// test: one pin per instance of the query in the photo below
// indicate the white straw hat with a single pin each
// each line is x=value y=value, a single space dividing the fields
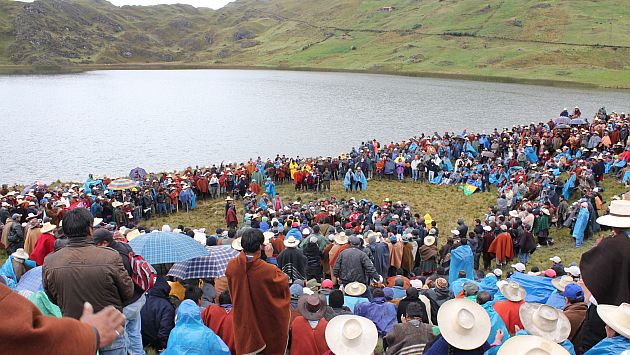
x=20 y=253
x=341 y=238
x=429 y=240
x=463 y=323
x=351 y=335
x=48 y=227
x=615 y=317
x=513 y=291
x=545 y=321
x=236 y=244
x=291 y=242
x=619 y=215
x=354 y=289
x=530 y=345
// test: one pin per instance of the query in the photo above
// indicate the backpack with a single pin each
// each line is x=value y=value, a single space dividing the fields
x=143 y=274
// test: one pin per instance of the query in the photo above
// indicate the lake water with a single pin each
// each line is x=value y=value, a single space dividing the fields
x=107 y=122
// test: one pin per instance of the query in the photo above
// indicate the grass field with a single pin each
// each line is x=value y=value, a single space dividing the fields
x=444 y=203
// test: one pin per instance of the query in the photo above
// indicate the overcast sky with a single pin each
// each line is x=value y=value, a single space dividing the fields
x=215 y=4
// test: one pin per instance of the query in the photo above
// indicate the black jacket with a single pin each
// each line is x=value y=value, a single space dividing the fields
x=157 y=316
x=402 y=308
x=124 y=250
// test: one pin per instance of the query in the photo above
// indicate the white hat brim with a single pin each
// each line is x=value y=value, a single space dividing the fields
x=614 y=221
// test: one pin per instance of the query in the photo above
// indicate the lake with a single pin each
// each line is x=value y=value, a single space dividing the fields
x=107 y=122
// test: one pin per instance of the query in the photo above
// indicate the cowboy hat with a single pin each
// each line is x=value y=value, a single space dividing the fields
x=545 y=321
x=97 y=221
x=116 y=204
x=31 y=216
x=351 y=335
x=20 y=254
x=487 y=228
x=513 y=291
x=429 y=240
x=312 y=307
x=291 y=242
x=561 y=282
x=48 y=227
x=545 y=211
x=341 y=238
x=616 y=317
x=236 y=244
x=131 y=235
x=463 y=323
x=531 y=344
x=619 y=215
x=268 y=236
x=229 y=198
x=354 y=289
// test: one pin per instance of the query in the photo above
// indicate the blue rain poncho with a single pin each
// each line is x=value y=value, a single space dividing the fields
x=580 y=226
x=568 y=187
x=489 y=284
x=270 y=189
x=190 y=336
x=614 y=345
x=538 y=288
x=530 y=153
x=359 y=176
x=496 y=323
x=461 y=259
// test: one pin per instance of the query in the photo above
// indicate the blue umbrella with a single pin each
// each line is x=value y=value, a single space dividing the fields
x=208 y=266
x=166 y=247
x=31 y=281
x=137 y=173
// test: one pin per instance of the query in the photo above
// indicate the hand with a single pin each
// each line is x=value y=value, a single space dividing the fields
x=269 y=250
x=109 y=322
x=498 y=339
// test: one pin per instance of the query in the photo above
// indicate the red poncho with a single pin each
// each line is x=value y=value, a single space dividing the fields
x=503 y=247
x=308 y=341
x=261 y=304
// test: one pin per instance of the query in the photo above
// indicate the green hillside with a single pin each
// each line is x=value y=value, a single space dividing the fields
x=580 y=41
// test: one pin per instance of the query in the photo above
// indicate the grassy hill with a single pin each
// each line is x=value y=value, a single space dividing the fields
x=579 y=41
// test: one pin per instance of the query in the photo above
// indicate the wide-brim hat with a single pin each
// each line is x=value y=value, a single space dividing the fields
x=513 y=291
x=268 y=236
x=20 y=253
x=531 y=344
x=291 y=242
x=545 y=321
x=229 y=198
x=312 y=307
x=97 y=221
x=133 y=234
x=618 y=318
x=351 y=335
x=561 y=283
x=354 y=289
x=341 y=238
x=236 y=244
x=619 y=215
x=487 y=228
x=116 y=204
x=463 y=323
x=429 y=240
x=545 y=211
x=48 y=227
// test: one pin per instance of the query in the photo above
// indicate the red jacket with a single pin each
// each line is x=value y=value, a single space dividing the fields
x=308 y=341
x=221 y=322
x=45 y=245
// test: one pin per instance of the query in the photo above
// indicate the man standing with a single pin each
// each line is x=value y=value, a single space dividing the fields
x=133 y=337
x=260 y=299
x=82 y=272
x=354 y=265
x=503 y=247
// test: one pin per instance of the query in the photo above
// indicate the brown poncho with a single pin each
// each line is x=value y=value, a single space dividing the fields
x=261 y=303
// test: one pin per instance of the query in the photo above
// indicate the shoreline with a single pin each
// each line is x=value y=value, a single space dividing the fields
x=10 y=70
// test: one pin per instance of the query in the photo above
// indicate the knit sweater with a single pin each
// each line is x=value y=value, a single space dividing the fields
x=408 y=339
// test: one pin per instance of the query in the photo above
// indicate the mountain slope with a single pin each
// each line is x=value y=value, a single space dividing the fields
x=585 y=41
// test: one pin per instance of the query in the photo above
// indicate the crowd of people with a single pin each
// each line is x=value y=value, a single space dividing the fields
x=342 y=276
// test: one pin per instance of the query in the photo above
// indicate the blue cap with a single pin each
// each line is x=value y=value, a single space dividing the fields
x=573 y=291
